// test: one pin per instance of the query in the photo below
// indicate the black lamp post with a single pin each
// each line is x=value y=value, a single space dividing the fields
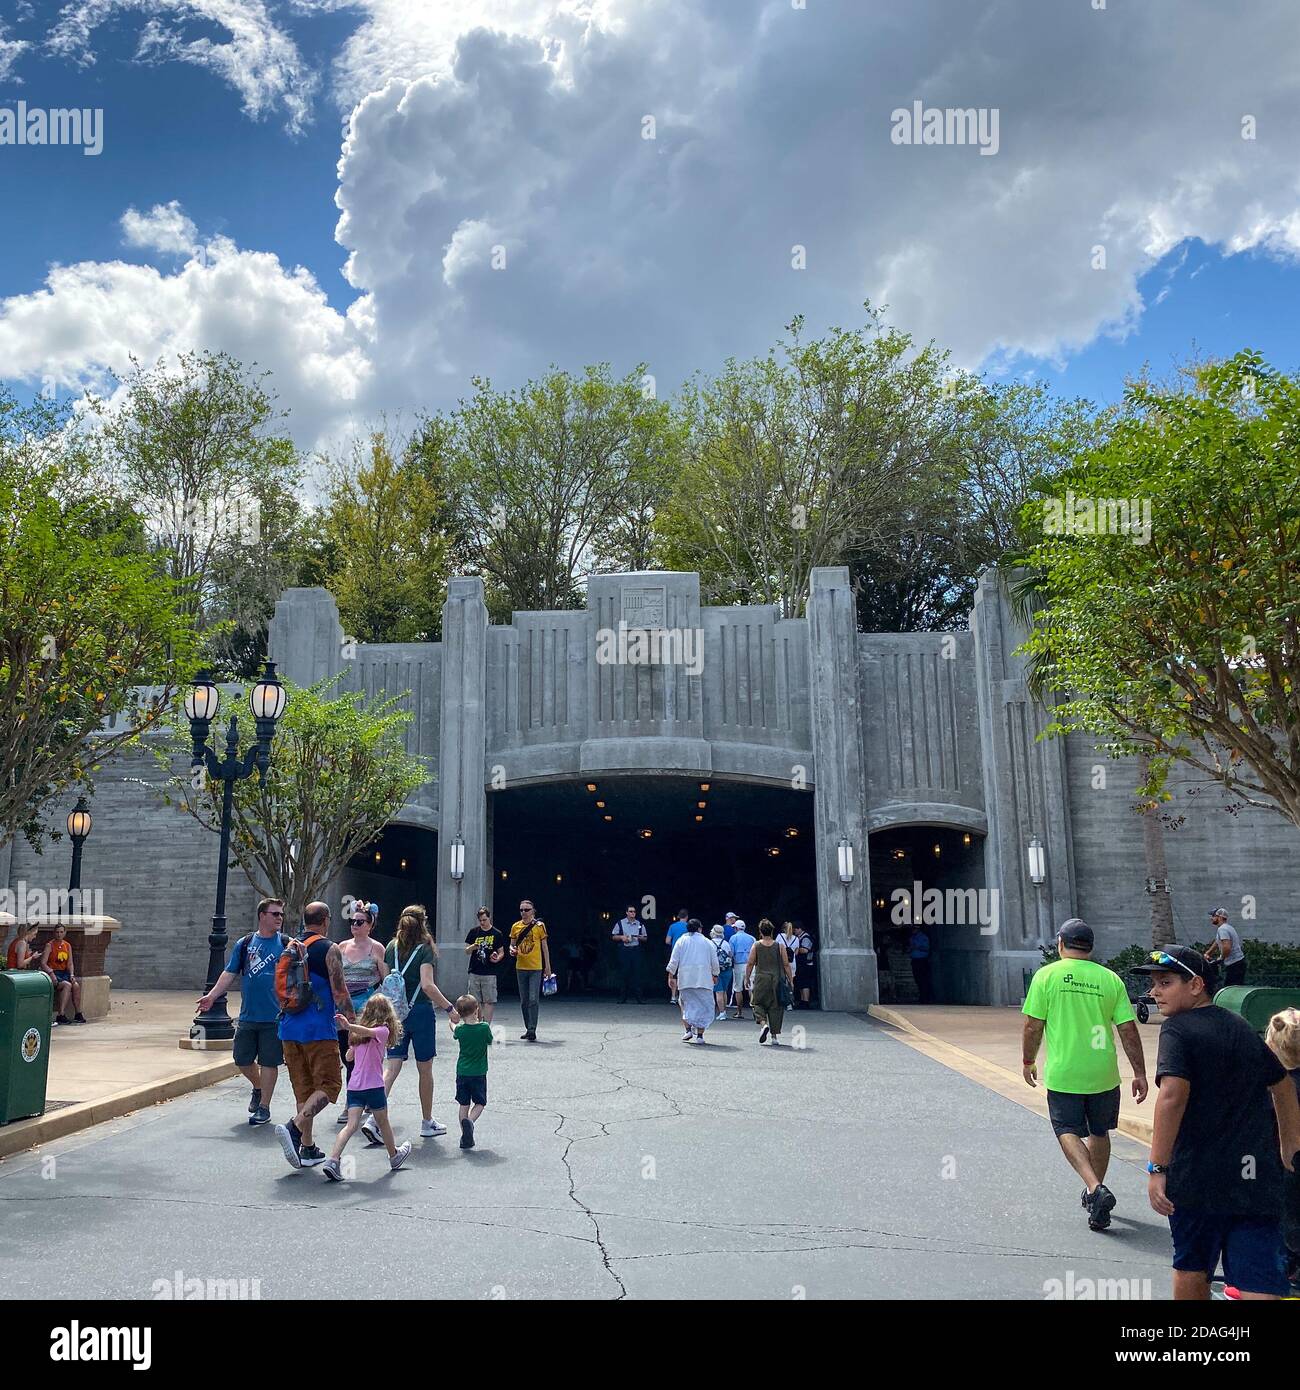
x=79 y=823
x=266 y=701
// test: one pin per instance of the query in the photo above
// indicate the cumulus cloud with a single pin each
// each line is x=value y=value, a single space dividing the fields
x=87 y=322
x=258 y=58
x=658 y=171
x=10 y=51
x=165 y=227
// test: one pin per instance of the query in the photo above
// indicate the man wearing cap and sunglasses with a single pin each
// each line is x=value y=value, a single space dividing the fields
x=1218 y=1147
x=1074 y=1002
x=1226 y=947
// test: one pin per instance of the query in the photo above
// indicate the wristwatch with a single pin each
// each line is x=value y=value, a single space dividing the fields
x=1157 y=1167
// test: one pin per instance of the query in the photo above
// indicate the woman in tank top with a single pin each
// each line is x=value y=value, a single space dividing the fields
x=363 y=969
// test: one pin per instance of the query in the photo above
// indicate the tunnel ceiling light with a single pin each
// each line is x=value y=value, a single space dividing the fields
x=377 y=856
x=504 y=874
x=900 y=854
x=791 y=833
x=608 y=818
x=938 y=850
x=699 y=817
x=700 y=805
x=704 y=786
x=559 y=878
x=591 y=786
x=773 y=852
x=965 y=839
x=403 y=863
x=645 y=834
x=600 y=805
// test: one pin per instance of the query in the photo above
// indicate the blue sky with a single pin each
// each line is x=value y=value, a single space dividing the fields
x=524 y=142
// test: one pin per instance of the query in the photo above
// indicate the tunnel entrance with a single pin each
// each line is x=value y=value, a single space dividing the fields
x=394 y=870
x=931 y=877
x=584 y=850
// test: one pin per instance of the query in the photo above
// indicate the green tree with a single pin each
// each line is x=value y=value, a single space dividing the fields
x=195 y=448
x=555 y=481
x=810 y=454
x=339 y=773
x=385 y=557
x=1182 y=642
x=86 y=620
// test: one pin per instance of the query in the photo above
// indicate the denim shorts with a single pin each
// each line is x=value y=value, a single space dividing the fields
x=1250 y=1248
x=419 y=1029
x=471 y=1090
x=373 y=1098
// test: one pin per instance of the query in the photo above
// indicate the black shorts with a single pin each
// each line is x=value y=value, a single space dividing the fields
x=257 y=1042
x=471 y=1090
x=1083 y=1115
x=1234 y=974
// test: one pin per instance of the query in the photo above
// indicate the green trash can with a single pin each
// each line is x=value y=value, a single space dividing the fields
x=1257 y=1003
x=26 y=1007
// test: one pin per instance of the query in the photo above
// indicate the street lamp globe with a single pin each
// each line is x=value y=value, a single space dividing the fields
x=268 y=697
x=79 y=820
x=202 y=701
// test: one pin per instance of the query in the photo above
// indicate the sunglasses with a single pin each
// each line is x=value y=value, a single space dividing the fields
x=275 y=914
x=1165 y=959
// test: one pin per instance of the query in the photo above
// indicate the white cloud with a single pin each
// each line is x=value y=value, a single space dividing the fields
x=10 y=51
x=258 y=59
x=90 y=319
x=771 y=130
x=165 y=227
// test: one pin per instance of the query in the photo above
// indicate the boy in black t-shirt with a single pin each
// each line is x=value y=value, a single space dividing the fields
x=1217 y=1161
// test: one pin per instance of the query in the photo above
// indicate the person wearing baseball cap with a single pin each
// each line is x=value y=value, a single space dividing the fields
x=1073 y=1003
x=1226 y=947
x=1218 y=1148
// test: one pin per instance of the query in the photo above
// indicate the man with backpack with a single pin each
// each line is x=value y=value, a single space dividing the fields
x=310 y=989
x=258 y=1052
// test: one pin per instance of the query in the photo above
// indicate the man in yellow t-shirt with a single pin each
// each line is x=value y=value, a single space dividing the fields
x=532 y=963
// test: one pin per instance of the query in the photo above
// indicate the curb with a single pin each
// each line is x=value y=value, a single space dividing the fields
x=58 y=1124
x=997 y=1078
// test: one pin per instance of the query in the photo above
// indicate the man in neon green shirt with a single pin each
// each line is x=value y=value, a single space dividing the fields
x=1075 y=1001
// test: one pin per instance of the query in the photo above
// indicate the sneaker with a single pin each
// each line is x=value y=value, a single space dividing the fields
x=762 y=1037
x=700 y=1039
x=776 y=1042
x=688 y=1037
x=530 y=1036
x=290 y=1138
x=722 y=1017
x=400 y=1157
x=310 y=1156
x=332 y=1170
x=260 y=1116
x=371 y=1132
x=467 y=1134
x=254 y=1101
x=80 y=1018
x=1100 y=1207
x=342 y=1119
x=431 y=1129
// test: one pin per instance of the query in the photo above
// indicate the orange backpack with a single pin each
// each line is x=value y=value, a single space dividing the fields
x=293 y=989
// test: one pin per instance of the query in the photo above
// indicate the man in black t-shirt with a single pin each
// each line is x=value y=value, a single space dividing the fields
x=486 y=947
x=1216 y=1156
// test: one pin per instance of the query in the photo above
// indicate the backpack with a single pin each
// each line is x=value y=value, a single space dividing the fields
x=724 y=957
x=293 y=991
x=393 y=985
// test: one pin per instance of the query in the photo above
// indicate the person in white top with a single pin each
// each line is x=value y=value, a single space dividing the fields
x=693 y=965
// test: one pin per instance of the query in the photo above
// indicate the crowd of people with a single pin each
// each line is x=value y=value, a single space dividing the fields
x=344 y=1017
x=1226 y=1129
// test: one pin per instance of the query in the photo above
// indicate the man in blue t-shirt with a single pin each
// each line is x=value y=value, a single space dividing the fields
x=310 y=1038
x=257 y=1050
x=741 y=943
x=678 y=929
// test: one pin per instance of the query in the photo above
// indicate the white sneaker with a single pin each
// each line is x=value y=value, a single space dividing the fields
x=400 y=1157
x=431 y=1129
x=722 y=1017
x=371 y=1130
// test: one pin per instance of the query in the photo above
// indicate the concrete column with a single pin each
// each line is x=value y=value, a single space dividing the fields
x=462 y=752
x=847 y=959
x=1026 y=795
x=305 y=637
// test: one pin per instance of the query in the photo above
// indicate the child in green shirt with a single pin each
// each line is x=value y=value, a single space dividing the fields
x=474 y=1039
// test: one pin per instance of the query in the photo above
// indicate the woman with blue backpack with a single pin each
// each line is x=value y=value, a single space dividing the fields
x=409 y=984
x=722 y=990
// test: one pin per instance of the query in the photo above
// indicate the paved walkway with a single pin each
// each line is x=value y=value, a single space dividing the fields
x=613 y=1162
x=983 y=1043
x=130 y=1059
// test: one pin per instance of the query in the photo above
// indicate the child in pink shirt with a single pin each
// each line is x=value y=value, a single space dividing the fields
x=369 y=1038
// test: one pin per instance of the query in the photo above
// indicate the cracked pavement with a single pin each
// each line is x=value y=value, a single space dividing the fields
x=612 y=1162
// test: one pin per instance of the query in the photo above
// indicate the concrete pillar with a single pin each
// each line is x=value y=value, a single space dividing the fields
x=305 y=637
x=1026 y=795
x=462 y=753
x=845 y=954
